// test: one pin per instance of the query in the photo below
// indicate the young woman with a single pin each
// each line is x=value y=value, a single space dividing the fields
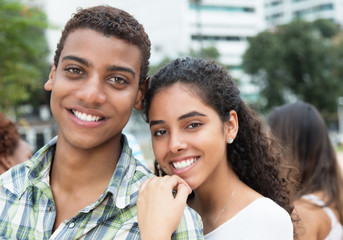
x=319 y=204
x=206 y=137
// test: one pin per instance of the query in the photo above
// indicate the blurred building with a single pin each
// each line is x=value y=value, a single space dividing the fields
x=36 y=126
x=225 y=24
x=283 y=11
x=175 y=27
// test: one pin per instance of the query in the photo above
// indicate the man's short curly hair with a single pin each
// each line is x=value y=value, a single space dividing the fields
x=111 y=22
x=9 y=136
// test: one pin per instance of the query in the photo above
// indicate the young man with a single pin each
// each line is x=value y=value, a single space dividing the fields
x=84 y=183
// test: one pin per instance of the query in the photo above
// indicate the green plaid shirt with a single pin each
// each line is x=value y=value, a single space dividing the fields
x=27 y=209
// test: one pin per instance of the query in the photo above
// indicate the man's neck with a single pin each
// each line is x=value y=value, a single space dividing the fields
x=78 y=177
x=75 y=168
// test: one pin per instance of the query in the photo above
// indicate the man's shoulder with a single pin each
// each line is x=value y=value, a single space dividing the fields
x=13 y=180
x=190 y=227
x=141 y=174
x=142 y=171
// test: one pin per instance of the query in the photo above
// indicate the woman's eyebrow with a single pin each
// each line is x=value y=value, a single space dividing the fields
x=191 y=114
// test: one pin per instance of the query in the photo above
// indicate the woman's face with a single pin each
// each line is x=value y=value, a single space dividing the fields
x=21 y=154
x=188 y=136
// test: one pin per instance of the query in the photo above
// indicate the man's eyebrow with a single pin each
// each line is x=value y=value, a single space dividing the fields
x=123 y=69
x=187 y=115
x=77 y=59
x=191 y=114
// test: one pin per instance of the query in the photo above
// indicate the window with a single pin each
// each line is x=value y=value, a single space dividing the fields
x=218 y=38
x=273 y=4
x=203 y=7
x=318 y=8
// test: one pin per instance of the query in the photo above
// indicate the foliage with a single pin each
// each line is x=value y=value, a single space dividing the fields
x=154 y=68
x=300 y=60
x=24 y=50
x=210 y=52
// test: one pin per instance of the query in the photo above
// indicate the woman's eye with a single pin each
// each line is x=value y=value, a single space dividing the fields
x=160 y=132
x=194 y=125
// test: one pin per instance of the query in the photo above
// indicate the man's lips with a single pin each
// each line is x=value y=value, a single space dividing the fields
x=86 y=117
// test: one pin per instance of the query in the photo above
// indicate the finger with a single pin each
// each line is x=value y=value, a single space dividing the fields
x=156 y=182
x=182 y=193
x=179 y=181
x=145 y=183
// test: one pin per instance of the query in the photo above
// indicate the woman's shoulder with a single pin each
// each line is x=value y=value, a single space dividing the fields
x=263 y=213
x=260 y=209
x=270 y=219
x=313 y=219
x=311 y=210
x=262 y=219
x=269 y=209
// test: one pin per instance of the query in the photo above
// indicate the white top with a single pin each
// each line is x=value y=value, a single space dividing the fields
x=262 y=219
x=336 y=231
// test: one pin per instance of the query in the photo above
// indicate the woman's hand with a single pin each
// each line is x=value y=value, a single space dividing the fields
x=158 y=211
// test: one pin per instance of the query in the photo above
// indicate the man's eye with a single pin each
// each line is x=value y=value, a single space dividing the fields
x=74 y=71
x=118 y=80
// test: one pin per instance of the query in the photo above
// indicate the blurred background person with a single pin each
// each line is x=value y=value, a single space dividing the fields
x=13 y=149
x=319 y=205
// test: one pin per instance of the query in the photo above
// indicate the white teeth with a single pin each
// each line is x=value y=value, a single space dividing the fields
x=183 y=164
x=86 y=117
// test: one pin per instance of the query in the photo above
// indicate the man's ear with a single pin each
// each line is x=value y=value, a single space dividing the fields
x=49 y=83
x=231 y=126
x=141 y=94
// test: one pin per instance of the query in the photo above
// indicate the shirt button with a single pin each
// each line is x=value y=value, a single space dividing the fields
x=49 y=209
x=71 y=225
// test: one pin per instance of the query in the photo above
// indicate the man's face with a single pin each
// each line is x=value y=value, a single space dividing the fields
x=94 y=88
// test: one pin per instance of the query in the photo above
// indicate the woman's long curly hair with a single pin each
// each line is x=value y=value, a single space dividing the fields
x=252 y=156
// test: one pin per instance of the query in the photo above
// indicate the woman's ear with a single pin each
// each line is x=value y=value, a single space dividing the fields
x=231 y=127
x=5 y=162
x=141 y=94
x=49 y=83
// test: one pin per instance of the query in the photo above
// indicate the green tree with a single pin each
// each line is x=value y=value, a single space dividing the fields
x=210 y=52
x=154 y=68
x=24 y=51
x=300 y=60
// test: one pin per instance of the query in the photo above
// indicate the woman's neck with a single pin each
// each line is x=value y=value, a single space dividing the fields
x=213 y=195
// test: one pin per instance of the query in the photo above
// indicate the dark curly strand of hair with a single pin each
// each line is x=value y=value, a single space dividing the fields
x=9 y=136
x=251 y=155
x=111 y=22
